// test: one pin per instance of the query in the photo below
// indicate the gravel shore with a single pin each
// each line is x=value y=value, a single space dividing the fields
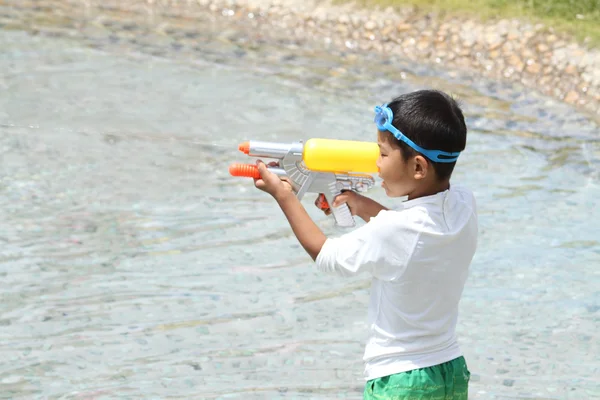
x=510 y=50
x=507 y=49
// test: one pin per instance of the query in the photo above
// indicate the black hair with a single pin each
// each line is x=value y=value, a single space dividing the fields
x=433 y=120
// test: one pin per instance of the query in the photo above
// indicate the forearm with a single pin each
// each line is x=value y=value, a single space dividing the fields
x=369 y=209
x=307 y=232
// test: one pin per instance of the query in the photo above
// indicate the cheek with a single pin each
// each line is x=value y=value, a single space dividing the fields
x=392 y=172
x=384 y=167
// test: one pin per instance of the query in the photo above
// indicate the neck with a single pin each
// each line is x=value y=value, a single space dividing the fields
x=430 y=189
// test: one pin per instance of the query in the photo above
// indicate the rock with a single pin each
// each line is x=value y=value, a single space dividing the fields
x=444 y=28
x=338 y=71
x=409 y=42
x=365 y=46
x=542 y=47
x=582 y=87
x=572 y=97
x=368 y=35
x=560 y=58
x=516 y=62
x=494 y=40
x=545 y=80
x=465 y=52
x=527 y=53
x=533 y=68
x=441 y=45
x=344 y=19
x=495 y=46
x=341 y=28
x=513 y=36
x=571 y=69
x=508 y=47
x=387 y=30
x=370 y=25
x=587 y=77
x=468 y=36
x=422 y=44
x=403 y=27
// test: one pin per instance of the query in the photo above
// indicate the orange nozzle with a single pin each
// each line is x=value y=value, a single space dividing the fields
x=244 y=170
x=244 y=147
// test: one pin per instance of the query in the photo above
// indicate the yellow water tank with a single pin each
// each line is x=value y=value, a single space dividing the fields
x=332 y=155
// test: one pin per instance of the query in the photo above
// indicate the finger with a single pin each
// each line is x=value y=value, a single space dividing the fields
x=321 y=202
x=259 y=183
x=262 y=168
x=340 y=199
x=269 y=178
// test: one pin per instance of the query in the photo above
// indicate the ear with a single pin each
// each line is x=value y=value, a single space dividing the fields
x=421 y=167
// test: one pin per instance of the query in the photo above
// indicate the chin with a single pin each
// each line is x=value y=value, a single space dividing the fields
x=396 y=195
x=392 y=193
x=395 y=192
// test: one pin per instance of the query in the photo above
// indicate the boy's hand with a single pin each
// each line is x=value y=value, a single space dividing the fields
x=271 y=183
x=349 y=197
x=358 y=204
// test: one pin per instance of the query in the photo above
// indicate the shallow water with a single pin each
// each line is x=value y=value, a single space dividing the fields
x=134 y=266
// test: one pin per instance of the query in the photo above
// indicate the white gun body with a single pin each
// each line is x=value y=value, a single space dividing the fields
x=304 y=180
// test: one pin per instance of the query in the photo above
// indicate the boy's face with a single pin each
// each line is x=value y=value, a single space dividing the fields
x=397 y=173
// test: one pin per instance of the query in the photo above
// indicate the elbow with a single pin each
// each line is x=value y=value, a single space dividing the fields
x=314 y=250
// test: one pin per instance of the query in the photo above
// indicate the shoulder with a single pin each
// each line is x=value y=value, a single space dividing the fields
x=460 y=208
x=462 y=192
x=460 y=197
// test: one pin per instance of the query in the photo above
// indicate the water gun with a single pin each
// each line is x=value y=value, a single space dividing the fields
x=324 y=166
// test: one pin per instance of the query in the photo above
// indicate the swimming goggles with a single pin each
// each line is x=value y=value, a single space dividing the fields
x=383 y=120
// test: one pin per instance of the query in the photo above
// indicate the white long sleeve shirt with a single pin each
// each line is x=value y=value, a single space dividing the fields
x=419 y=258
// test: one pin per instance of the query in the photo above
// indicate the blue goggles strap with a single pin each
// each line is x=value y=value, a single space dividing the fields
x=383 y=120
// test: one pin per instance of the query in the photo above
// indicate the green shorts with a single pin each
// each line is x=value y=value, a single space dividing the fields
x=447 y=381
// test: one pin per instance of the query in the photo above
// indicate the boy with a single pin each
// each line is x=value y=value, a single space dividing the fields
x=418 y=256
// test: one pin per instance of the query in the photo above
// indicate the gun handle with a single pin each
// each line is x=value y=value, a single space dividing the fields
x=342 y=215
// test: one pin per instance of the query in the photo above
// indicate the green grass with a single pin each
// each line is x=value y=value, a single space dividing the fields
x=577 y=18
